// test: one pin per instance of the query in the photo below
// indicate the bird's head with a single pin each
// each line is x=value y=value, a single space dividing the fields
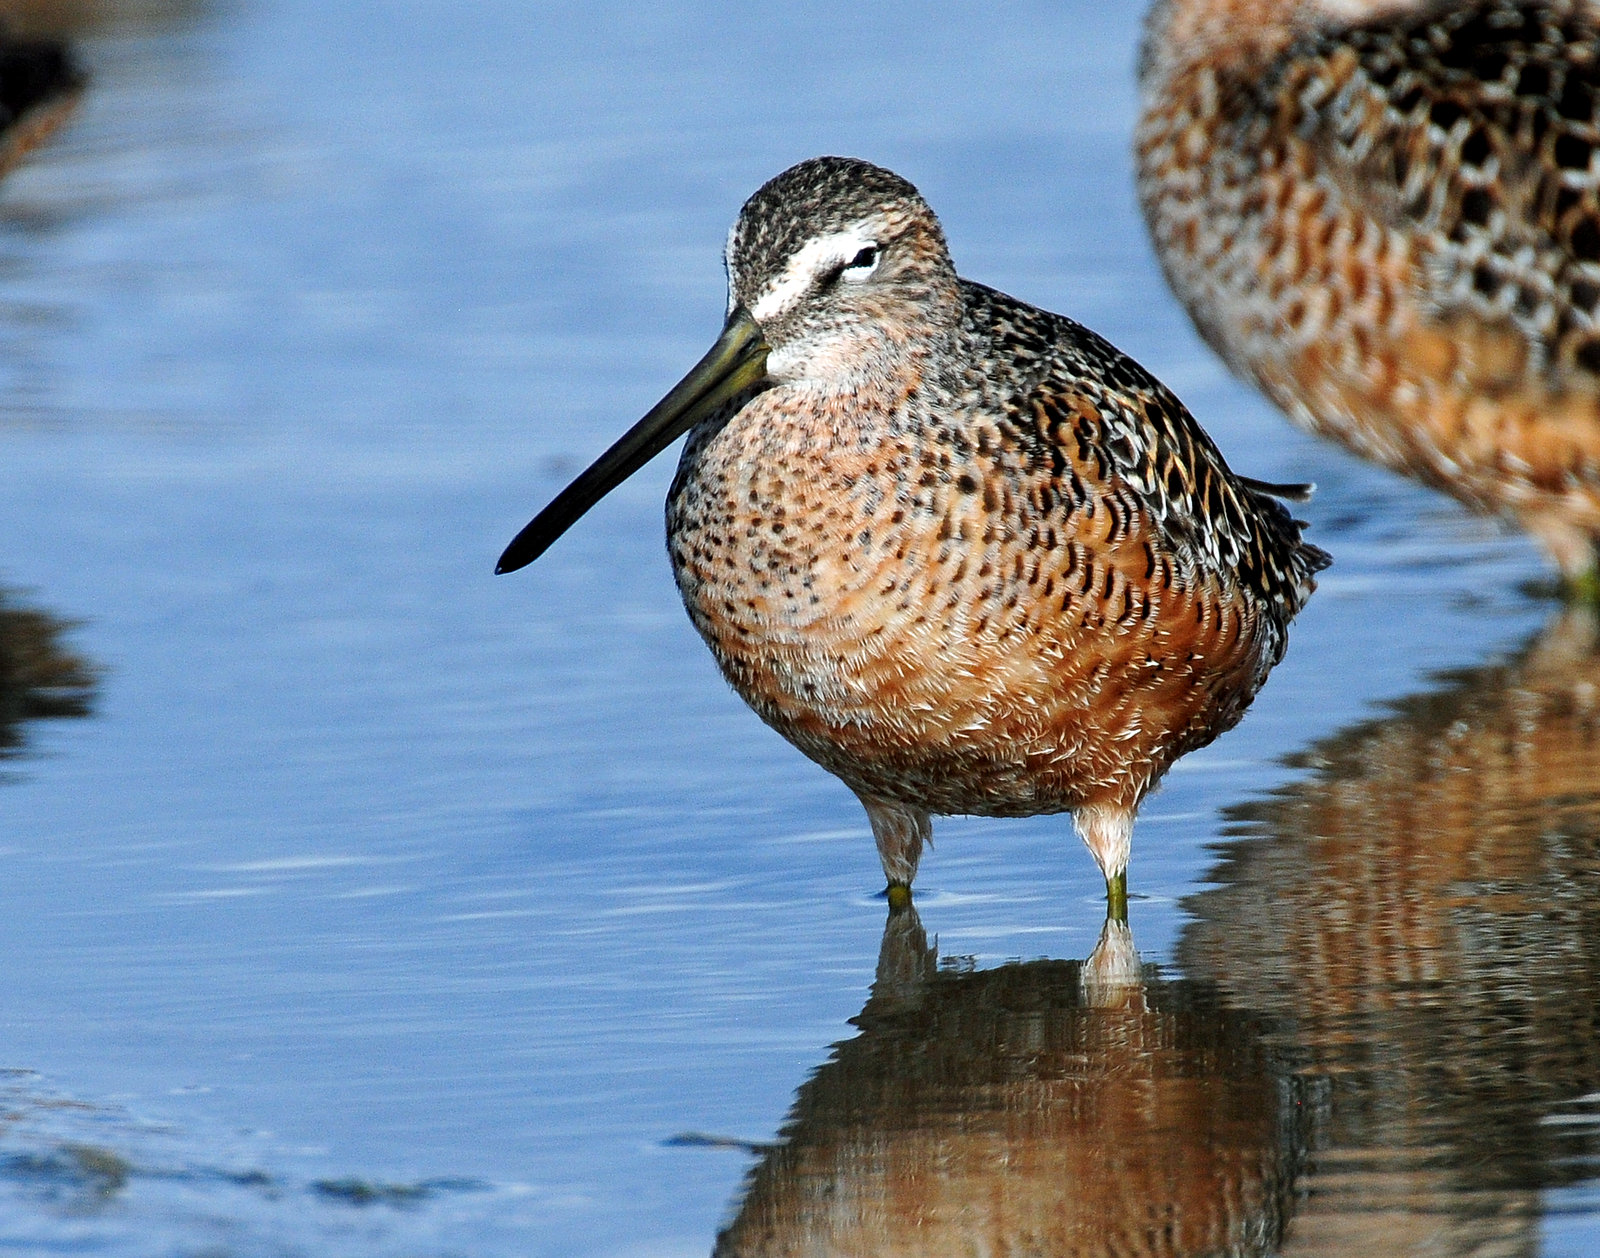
x=839 y=280
x=842 y=265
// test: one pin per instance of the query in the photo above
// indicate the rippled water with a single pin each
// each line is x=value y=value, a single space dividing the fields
x=381 y=906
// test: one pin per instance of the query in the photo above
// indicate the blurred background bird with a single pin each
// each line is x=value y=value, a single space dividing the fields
x=1386 y=213
x=41 y=676
x=40 y=84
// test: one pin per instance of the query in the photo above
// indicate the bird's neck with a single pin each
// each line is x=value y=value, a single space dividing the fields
x=853 y=395
x=854 y=409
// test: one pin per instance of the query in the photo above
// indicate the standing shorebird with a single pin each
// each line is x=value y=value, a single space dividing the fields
x=959 y=551
x=1386 y=213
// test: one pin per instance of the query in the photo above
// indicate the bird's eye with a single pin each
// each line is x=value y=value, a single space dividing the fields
x=857 y=269
x=862 y=265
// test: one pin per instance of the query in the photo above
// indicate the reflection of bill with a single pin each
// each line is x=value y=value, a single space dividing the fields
x=39 y=676
x=1052 y=1107
x=1422 y=912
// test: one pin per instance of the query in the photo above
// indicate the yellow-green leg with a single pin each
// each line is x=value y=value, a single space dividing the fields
x=1117 y=897
x=899 y=894
x=1582 y=587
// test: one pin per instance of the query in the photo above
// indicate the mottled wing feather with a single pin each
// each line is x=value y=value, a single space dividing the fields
x=1475 y=131
x=1300 y=491
x=1144 y=564
x=1086 y=399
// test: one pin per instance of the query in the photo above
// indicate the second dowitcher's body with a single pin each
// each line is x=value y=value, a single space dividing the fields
x=960 y=551
x=1387 y=214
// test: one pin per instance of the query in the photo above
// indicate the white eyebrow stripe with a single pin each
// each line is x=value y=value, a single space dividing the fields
x=727 y=263
x=1366 y=10
x=814 y=257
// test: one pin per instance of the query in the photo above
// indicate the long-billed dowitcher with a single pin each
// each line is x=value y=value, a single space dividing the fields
x=1386 y=213
x=959 y=551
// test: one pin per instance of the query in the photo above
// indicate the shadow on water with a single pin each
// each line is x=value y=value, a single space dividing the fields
x=1420 y=913
x=40 y=676
x=1061 y=1107
x=120 y=1180
x=140 y=132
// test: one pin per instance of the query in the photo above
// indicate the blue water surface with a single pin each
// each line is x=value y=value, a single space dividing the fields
x=384 y=906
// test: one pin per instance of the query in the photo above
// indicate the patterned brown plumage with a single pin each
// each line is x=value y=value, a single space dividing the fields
x=961 y=552
x=1386 y=213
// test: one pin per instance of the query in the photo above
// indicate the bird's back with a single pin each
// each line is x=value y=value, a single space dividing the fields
x=1075 y=401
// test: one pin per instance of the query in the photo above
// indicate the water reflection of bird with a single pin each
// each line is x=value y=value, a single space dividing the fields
x=1421 y=911
x=960 y=551
x=1386 y=213
x=39 y=676
x=39 y=88
x=1052 y=1107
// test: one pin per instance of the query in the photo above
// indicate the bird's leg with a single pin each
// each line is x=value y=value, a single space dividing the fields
x=1112 y=976
x=1577 y=555
x=1580 y=572
x=1583 y=587
x=900 y=831
x=1117 y=898
x=1107 y=831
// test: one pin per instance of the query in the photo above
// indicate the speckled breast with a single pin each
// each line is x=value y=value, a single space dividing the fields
x=898 y=606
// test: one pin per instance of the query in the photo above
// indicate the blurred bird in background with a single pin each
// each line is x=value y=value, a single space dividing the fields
x=1386 y=214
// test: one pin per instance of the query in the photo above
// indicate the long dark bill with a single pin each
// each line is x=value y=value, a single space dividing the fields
x=737 y=361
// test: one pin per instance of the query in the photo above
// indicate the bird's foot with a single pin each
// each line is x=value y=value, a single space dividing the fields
x=899 y=896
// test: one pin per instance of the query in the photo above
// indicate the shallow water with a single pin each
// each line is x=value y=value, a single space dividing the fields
x=381 y=906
